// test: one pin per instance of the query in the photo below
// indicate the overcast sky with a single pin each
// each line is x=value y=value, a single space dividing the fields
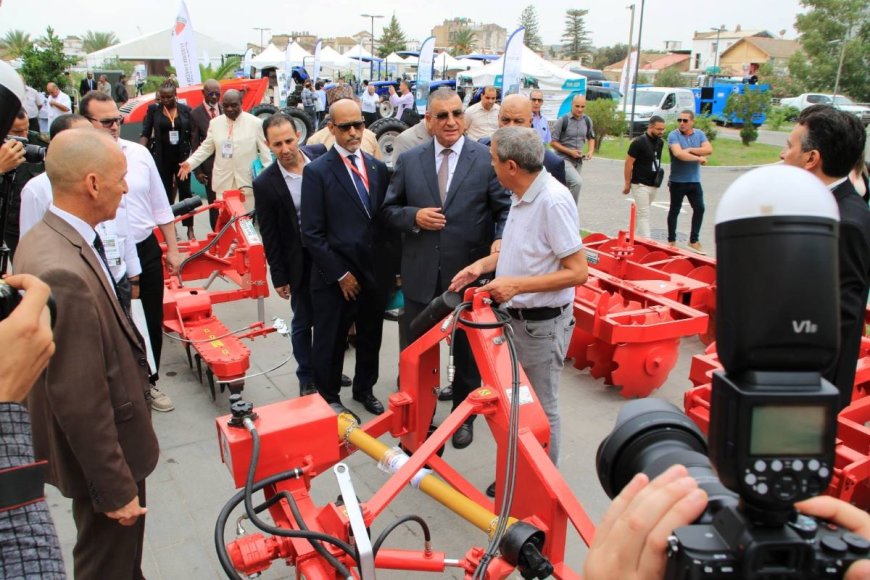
x=607 y=21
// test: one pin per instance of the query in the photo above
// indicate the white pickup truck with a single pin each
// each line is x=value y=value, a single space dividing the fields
x=841 y=102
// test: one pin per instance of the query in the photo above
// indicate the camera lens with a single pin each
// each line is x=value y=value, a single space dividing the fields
x=651 y=435
x=34 y=153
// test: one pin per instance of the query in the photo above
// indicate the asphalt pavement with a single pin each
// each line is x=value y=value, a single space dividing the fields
x=190 y=484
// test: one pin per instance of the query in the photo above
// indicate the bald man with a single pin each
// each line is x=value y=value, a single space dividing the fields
x=90 y=409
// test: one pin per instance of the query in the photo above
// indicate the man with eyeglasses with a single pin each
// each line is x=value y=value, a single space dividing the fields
x=539 y=121
x=200 y=117
x=342 y=192
x=445 y=198
x=689 y=151
x=147 y=208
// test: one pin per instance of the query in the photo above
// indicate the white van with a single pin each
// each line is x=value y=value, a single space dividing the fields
x=666 y=102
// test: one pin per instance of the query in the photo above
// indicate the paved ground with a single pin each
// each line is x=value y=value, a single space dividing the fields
x=190 y=484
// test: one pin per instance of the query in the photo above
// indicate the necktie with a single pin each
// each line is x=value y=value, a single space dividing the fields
x=101 y=251
x=360 y=186
x=444 y=174
x=211 y=112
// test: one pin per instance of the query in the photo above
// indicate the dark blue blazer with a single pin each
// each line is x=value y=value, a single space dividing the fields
x=340 y=233
x=554 y=164
x=279 y=223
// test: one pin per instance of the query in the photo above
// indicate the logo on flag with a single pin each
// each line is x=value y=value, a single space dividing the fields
x=180 y=23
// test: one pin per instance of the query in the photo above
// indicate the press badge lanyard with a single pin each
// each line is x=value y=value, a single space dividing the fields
x=364 y=174
x=173 y=134
x=227 y=145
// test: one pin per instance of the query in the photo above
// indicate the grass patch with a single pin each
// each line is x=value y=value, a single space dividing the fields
x=784 y=128
x=725 y=152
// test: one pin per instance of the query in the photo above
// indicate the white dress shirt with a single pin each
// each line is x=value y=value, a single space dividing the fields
x=88 y=235
x=456 y=149
x=62 y=99
x=33 y=101
x=147 y=204
x=294 y=184
x=369 y=102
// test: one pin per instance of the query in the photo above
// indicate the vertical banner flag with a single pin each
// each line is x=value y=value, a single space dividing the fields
x=360 y=61
x=315 y=73
x=628 y=67
x=246 y=63
x=424 y=73
x=513 y=60
x=184 y=49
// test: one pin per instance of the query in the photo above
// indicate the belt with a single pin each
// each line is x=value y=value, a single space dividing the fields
x=536 y=314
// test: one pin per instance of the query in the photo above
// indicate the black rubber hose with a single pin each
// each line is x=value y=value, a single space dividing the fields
x=389 y=529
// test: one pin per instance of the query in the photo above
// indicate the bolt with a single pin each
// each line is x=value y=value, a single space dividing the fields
x=498 y=340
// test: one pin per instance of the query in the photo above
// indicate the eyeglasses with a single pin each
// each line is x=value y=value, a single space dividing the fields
x=443 y=115
x=213 y=93
x=107 y=123
x=683 y=120
x=358 y=125
x=537 y=100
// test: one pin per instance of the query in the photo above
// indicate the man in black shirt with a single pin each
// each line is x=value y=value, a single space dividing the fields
x=642 y=170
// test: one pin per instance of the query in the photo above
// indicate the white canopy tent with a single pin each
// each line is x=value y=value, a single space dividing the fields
x=297 y=54
x=445 y=62
x=157 y=46
x=358 y=52
x=332 y=62
x=272 y=56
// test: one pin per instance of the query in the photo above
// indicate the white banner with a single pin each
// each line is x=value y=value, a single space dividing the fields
x=315 y=70
x=513 y=60
x=184 y=49
x=360 y=61
x=424 y=72
x=628 y=67
x=246 y=63
x=206 y=61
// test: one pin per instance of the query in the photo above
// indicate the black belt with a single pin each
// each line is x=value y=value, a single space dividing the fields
x=537 y=314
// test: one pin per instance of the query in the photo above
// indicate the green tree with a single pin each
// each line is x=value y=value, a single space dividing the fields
x=393 y=39
x=824 y=27
x=607 y=55
x=224 y=71
x=94 y=41
x=607 y=119
x=669 y=77
x=781 y=85
x=575 y=39
x=463 y=40
x=532 y=36
x=14 y=43
x=743 y=107
x=45 y=63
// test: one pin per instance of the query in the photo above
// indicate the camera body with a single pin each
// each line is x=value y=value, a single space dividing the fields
x=32 y=153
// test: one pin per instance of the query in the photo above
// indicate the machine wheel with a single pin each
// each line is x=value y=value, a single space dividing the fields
x=386 y=130
x=263 y=110
x=303 y=121
x=386 y=109
x=640 y=368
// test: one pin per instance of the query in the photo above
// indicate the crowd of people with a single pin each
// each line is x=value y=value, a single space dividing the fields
x=491 y=191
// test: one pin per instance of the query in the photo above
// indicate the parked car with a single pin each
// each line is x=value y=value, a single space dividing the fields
x=841 y=102
x=665 y=102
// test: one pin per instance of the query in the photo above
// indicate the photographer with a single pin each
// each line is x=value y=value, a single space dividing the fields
x=23 y=174
x=632 y=539
x=28 y=541
x=11 y=156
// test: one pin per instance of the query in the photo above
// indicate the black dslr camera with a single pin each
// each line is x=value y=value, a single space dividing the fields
x=773 y=417
x=32 y=153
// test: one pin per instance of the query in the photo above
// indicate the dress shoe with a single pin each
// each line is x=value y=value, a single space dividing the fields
x=445 y=393
x=463 y=436
x=371 y=404
x=339 y=409
x=490 y=491
x=307 y=388
x=345 y=381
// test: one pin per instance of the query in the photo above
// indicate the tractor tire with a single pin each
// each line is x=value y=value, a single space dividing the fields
x=386 y=109
x=386 y=130
x=305 y=125
x=263 y=110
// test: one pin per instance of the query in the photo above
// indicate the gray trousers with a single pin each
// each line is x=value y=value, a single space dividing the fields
x=572 y=176
x=541 y=347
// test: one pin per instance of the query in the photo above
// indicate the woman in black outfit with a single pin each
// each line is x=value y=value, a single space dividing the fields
x=166 y=131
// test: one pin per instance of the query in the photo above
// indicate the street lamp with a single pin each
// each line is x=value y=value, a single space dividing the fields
x=636 y=67
x=718 y=30
x=842 y=54
x=372 y=62
x=261 y=34
x=628 y=61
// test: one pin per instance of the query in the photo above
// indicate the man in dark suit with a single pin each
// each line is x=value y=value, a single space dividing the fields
x=516 y=110
x=445 y=197
x=342 y=192
x=88 y=84
x=90 y=409
x=200 y=117
x=828 y=143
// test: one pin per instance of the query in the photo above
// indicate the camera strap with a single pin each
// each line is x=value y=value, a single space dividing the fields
x=22 y=485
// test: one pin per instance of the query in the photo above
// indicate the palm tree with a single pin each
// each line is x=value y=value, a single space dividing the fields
x=224 y=71
x=14 y=43
x=463 y=41
x=94 y=41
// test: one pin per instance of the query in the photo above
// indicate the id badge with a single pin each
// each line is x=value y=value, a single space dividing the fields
x=173 y=137
x=227 y=149
x=113 y=251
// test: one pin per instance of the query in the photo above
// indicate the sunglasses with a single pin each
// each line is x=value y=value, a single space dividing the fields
x=537 y=100
x=213 y=93
x=358 y=125
x=107 y=123
x=683 y=120
x=442 y=116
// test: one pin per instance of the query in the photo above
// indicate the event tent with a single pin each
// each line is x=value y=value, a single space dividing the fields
x=272 y=56
x=548 y=75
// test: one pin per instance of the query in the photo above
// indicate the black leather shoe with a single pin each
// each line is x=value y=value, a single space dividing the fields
x=307 y=389
x=339 y=409
x=463 y=436
x=345 y=381
x=371 y=404
x=446 y=393
x=490 y=491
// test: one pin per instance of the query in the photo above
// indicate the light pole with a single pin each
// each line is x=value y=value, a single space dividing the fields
x=718 y=30
x=372 y=62
x=636 y=71
x=261 y=34
x=628 y=61
x=840 y=64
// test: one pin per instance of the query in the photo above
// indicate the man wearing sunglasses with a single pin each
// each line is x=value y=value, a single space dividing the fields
x=445 y=197
x=200 y=118
x=342 y=192
x=689 y=151
x=539 y=121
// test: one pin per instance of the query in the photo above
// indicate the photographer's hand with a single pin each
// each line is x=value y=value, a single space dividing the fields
x=844 y=515
x=11 y=155
x=27 y=339
x=631 y=542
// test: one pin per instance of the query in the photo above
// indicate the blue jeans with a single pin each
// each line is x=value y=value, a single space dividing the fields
x=695 y=194
x=300 y=331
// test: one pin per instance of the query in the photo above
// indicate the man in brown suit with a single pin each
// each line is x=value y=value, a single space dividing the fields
x=91 y=417
x=200 y=117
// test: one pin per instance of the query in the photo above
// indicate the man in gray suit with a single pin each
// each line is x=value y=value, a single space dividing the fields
x=445 y=197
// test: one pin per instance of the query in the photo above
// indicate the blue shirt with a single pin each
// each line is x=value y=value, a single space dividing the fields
x=542 y=126
x=685 y=171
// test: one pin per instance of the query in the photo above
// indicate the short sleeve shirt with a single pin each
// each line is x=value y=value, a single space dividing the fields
x=647 y=155
x=685 y=171
x=575 y=134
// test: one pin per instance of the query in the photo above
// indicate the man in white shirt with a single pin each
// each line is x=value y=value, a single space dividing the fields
x=369 y=101
x=481 y=119
x=58 y=102
x=32 y=103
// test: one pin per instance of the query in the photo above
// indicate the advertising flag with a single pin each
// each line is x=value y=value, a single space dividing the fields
x=513 y=60
x=246 y=63
x=424 y=72
x=184 y=49
x=628 y=67
x=315 y=72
